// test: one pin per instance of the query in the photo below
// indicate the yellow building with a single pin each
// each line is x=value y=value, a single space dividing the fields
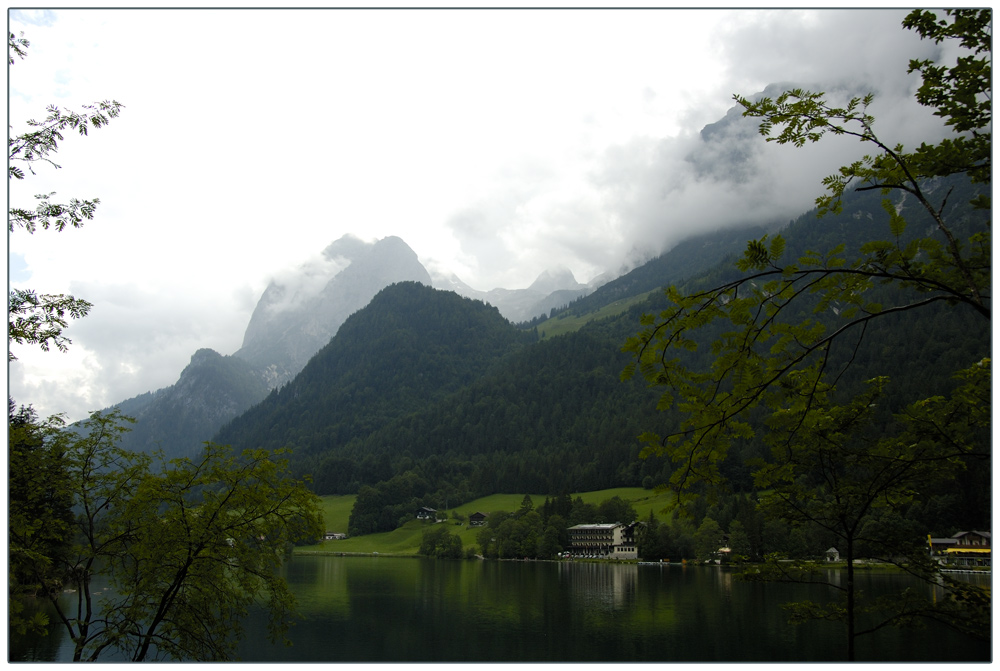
x=966 y=548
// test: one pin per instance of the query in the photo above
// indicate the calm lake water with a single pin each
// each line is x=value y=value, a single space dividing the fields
x=381 y=609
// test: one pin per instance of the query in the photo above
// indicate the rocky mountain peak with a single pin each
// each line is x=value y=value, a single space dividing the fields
x=555 y=279
x=299 y=312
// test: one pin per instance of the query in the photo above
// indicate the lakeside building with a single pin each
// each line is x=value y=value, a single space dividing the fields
x=966 y=548
x=608 y=541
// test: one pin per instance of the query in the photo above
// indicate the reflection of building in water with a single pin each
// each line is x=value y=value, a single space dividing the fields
x=606 y=541
x=607 y=586
x=725 y=579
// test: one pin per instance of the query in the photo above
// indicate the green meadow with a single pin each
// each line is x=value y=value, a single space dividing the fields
x=406 y=539
x=568 y=323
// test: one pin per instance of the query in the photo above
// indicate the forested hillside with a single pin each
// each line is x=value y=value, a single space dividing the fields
x=411 y=346
x=554 y=416
x=689 y=258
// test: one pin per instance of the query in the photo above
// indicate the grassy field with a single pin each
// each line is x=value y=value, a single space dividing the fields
x=561 y=325
x=406 y=539
x=336 y=511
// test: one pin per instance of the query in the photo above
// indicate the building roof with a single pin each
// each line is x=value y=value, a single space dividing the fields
x=596 y=527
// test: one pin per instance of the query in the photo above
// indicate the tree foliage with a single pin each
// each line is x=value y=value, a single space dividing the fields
x=17 y=45
x=38 y=146
x=785 y=334
x=524 y=534
x=439 y=542
x=39 y=513
x=35 y=319
x=168 y=556
x=833 y=469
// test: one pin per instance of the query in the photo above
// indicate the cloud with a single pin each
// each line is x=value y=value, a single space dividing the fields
x=291 y=287
x=637 y=198
x=136 y=339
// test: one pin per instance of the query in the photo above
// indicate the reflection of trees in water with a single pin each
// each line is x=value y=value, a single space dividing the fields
x=35 y=648
x=56 y=645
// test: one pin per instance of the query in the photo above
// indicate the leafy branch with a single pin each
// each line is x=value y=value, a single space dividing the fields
x=40 y=144
x=40 y=319
x=17 y=46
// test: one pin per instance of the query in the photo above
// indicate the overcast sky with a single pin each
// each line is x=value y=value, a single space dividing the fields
x=497 y=144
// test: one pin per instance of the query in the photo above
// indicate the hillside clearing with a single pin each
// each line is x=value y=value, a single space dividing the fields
x=564 y=322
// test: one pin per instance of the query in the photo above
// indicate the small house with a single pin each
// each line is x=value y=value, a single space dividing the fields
x=833 y=554
x=426 y=514
x=477 y=519
x=334 y=536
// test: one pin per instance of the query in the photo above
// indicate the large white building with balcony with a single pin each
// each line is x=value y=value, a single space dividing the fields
x=608 y=541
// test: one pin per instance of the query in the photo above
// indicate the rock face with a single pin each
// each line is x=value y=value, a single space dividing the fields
x=211 y=390
x=558 y=279
x=295 y=317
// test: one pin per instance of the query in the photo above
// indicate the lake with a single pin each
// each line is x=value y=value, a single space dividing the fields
x=382 y=609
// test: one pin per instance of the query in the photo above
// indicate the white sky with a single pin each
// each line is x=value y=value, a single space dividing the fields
x=495 y=143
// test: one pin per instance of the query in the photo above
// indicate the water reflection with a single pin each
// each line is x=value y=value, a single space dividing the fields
x=417 y=610
x=603 y=586
x=396 y=610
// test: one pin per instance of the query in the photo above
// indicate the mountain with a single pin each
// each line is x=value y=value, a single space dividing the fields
x=553 y=288
x=553 y=416
x=293 y=319
x=296 y=316
x=211 y=390
x=686 y=259
x=410 y=345
x=299 y=313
